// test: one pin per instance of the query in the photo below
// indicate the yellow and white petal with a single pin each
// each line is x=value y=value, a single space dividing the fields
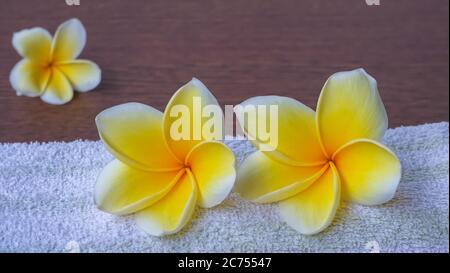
x=34 y=44
x=212 y=164
x=121 y=189
x=173 y=211
x=58 y=91
x=84 y=75
x=191 y=98
x=297 y=143
x=29 y=78
x=313 y=209
x=133 y=133
x=369 y=171
x=264 y=180
x=349 y=108
x=69 y=41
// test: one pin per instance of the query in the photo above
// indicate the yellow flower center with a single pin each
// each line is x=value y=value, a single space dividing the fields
x=49 y=64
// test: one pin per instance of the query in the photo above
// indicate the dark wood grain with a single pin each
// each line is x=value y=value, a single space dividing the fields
x=147 y=49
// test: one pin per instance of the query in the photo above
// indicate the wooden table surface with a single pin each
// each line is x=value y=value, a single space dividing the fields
x=239 y=49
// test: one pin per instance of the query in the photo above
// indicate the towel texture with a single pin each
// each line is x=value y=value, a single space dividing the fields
x=46 y=205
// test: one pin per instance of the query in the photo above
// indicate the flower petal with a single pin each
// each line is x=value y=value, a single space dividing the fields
x=264 y=180
x=59 y=90
x=29 y=78
x=84 y=75
x=69 y=40
x=212 y=164
x=133 y=133
x=369 y=171
x=313 y=209
x=298 y=142
x=34 y=44
x=349 y=108
x=173 y=211
x=184 y=97
x=121 y=189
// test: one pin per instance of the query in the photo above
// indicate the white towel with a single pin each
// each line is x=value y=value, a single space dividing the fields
x=46 y=205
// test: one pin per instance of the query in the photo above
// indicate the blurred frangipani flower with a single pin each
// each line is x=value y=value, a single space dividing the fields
x=323 y=155
x=49 y=67
x=158 y=175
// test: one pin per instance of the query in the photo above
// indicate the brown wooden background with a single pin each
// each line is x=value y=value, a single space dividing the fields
x=147 y=49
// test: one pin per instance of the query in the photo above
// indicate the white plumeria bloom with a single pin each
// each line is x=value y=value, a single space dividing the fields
x=49 y=67
x=323 y=156
x=159 y=179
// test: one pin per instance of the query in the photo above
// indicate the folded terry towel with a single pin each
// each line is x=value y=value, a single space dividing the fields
x=46 y=205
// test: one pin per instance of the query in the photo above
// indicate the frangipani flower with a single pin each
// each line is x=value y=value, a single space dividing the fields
x=50 y=68
x=321 y=156
x=159 y=178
